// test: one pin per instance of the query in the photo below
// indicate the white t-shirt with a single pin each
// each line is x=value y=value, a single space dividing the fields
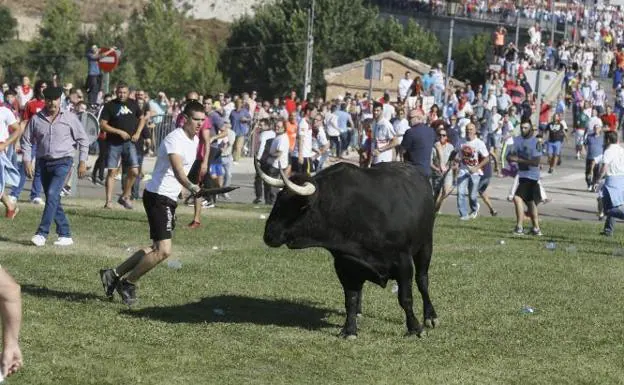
x=163 y=180
x=383 y=133
x=305 y=132
x=264 y=136
x=388 y=111
x=470 y=152
x=280 y=144
x=614 y=158
x=331 y=122
x=6 y=119
x=404 y=86
x=321 y=138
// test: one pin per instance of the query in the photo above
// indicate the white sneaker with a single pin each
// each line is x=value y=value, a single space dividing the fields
x=64 y=241
x=37 y=201
x=38 y=240
x=475 y=213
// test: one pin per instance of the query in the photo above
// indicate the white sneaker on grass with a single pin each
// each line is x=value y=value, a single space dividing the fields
x=37 y=201
x=64 y=241
x=38 y=240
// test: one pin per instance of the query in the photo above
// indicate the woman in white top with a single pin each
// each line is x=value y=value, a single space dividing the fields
x=613 y=190
x=441 y=175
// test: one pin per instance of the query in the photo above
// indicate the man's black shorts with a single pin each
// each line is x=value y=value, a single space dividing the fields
x=529 y=190
x=160 y=215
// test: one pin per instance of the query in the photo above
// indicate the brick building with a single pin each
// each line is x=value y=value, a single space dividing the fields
x=351 y=77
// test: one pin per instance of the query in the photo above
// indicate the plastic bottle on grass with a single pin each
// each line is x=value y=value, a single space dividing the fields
x=174 y=264
x=571 y=249
x=527 y=309
x=550 y=245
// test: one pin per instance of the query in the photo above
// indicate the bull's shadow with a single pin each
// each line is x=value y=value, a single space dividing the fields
x=240 y=309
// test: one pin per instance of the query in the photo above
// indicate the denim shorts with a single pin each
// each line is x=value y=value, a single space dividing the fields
x=553 y=148
x=127 y=151
x=216 y=169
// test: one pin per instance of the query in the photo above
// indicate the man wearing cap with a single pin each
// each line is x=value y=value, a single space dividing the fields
x=56 y=133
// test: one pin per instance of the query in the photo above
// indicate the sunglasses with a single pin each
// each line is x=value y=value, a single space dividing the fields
x=441 y=135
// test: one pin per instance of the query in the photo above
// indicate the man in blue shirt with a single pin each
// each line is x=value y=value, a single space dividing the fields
x=239 y=119
x=94 y=75
x=594 y=144
x=527 y=152
x=345 y=126
x=418 y=142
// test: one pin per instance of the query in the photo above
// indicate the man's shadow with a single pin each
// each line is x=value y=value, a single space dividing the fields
x=240 y=309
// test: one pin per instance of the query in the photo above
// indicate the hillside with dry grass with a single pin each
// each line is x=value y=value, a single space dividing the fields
x=90 y=10
x=29 y=12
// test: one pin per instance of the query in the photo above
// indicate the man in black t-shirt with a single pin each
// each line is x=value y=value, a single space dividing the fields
x=556 y=130
x=123 y=122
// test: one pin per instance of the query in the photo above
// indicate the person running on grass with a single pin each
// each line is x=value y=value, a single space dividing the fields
x=527 y=152
x=175 y=158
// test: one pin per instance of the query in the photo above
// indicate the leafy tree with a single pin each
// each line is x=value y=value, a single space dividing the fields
x=470 y=58
x=57 y=47
x=164 y=56
x=109 y=31
x=13 y=61
x=8 y=24
x=267 y=51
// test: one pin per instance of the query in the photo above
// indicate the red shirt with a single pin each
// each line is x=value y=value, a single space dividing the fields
x=290 y=105
x=201 y=149
x=32 y=108
x=609 y=120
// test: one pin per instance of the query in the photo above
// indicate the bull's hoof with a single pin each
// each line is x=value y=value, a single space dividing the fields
x=417 y=333
x=431 y=322
x=347 y=335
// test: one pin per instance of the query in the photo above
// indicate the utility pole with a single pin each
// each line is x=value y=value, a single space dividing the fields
x=553 y=21
x=309 y=53
x=517 y=28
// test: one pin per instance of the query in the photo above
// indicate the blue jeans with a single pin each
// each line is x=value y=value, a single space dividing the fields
x=615 y=212
x=227 y=169
x=467 y=189
x=53 y=174
x=35 y=189
x=604 y=71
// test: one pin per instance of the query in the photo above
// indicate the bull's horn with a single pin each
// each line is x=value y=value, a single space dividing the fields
x=275 y=182
x=307 y=188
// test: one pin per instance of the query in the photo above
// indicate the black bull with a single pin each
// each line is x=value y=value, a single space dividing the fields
x=377 y=223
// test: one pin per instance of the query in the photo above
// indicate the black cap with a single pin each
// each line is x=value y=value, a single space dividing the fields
x=52 y=93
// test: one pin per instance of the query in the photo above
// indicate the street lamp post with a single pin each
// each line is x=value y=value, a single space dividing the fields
x=451 y=10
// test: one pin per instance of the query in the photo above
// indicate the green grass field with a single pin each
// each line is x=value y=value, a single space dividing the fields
x=245 y=313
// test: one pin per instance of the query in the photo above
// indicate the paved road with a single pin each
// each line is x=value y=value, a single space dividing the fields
x=566 y=188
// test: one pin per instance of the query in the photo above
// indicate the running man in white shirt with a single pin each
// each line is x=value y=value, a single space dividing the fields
x=175 y=158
